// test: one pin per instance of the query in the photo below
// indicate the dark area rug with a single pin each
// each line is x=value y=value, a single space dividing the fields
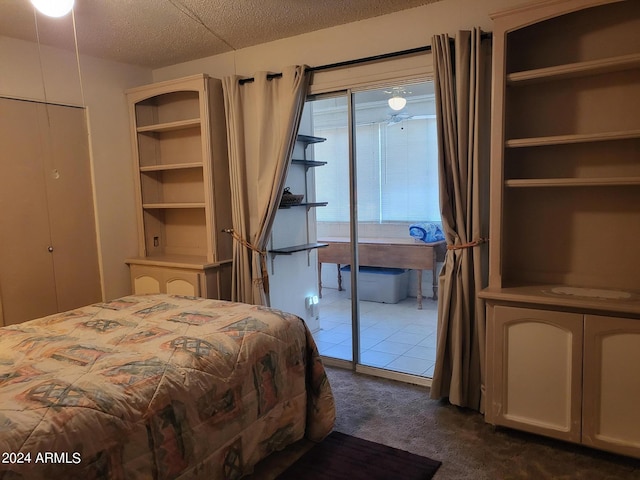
x=341 y=456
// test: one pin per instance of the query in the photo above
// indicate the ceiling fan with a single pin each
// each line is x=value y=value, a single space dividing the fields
x=399 y=117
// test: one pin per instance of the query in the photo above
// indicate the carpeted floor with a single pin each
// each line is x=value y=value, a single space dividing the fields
x=403 y=416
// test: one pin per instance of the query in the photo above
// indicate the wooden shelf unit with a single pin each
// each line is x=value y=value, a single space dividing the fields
x=567 y=93
x=183 y=192
x=565 y=190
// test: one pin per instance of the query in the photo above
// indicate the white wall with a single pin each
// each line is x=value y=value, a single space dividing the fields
x=294 y=277
x=388 y=33
x=104 y=83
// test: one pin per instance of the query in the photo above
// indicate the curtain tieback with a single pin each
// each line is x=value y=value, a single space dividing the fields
x=236 y=236
x=474 y=243
x=264 y=278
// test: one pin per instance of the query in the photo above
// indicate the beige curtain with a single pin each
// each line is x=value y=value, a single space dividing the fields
x=263 y=117
x=462 y=102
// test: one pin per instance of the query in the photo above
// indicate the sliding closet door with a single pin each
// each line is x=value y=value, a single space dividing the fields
x=70 y=203
x=48 y=251
x=27 y=281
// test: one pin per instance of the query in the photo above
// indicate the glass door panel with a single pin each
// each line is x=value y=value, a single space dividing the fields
x=330 y=120
x=397 y=188
x=381 y=178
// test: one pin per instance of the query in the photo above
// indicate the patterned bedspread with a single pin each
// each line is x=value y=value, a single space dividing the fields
x=159 y=387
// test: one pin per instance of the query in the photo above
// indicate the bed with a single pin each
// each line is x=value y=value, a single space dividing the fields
x=157 y=387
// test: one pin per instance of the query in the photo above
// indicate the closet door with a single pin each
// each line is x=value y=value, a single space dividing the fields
x=71 y=208
x=48 y=251
x=27 y=281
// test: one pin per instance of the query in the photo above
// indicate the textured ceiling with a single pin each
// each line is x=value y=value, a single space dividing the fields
x=157 y=33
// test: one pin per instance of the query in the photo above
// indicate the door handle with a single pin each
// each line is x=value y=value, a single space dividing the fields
x=50 y=249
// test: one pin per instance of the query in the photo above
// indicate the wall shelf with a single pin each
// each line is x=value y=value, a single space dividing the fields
x=574 y=138
x=578 y=69
x=149 y=206
x=297 y=248
x=305 y=140
x=572 y=182
x=175 y=166
x=308 y=163
x=305 y=204
x=169 y=126
x=309 y=139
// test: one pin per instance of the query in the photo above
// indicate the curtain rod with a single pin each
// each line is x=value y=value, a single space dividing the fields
x=373 y=58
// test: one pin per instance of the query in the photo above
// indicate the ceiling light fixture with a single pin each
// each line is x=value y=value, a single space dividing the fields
x=397 y=101
x=53 y=8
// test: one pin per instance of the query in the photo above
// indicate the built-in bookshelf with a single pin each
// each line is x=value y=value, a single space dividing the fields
x=563 y=301
x=183 y=195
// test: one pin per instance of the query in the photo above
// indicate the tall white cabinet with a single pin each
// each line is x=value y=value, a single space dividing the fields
x=563 y=301
x=48 y=247
x=183 y=191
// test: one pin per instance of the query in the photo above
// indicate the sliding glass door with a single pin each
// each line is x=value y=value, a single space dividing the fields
x=397 y=187
x=380 y=180
x=334 y=182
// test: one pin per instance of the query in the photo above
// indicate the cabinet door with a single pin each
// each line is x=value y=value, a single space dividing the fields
x=144 y=283
x=611 y=418
x=183 y=283
x=174 y=281
x=537 y=371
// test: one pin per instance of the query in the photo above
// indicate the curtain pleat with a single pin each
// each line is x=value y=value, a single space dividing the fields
x=461 y=91
x=263 y=117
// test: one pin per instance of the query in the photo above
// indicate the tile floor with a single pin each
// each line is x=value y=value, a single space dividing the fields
x=395 y=337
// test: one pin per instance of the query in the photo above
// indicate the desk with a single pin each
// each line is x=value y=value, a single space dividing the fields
x=385 y=252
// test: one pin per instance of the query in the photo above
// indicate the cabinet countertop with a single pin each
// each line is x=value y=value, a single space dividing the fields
x=543 y=295
x=176 y=261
